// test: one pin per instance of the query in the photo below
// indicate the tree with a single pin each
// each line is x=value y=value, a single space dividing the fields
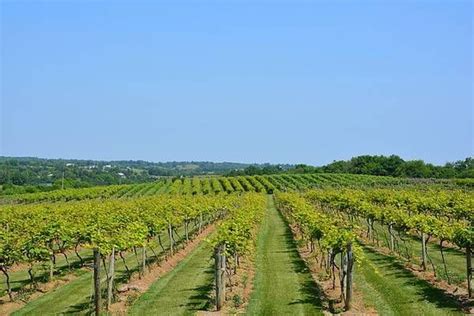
x=414 y=169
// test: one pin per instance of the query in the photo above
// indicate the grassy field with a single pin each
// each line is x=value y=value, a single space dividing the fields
x=455 y=259
x=76 y=296
x=182 y=291
x=392 y=290
x=73 y=297
x=283 y=284
x=21 y=278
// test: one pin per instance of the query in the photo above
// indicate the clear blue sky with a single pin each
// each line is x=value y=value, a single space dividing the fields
x=276 y=81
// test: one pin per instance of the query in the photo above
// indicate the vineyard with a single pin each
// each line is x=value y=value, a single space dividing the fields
x=216 y=185
x=277 y=244
x=262 y=158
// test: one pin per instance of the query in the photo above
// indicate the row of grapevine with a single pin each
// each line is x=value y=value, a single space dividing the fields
x=187 y=186
x=215 y=185
x=37 y=233
x=228 y=188
x=176 y=187
x=235 y=238
x=284 y=183
x=196 y=185
x=276 y=184
x=255 y=183
x=332 y=236
x=70 y=194
x=236 y=184
x=99 y=192
x=267 y=185
x=206 y=186
x=444 y=216
x=244 y=182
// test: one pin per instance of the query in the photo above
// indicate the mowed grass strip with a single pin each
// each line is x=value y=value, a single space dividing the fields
x=455 y=259
x=393 y=290
x=21 y=278
x=76 y=296
x=283 y=284
x=182 y=291
x=71 y=298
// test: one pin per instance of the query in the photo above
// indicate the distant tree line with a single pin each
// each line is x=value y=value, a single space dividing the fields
x=397 y=167
x=262 y=169
x=26 y=174
x=376 y=165
x=30 y=174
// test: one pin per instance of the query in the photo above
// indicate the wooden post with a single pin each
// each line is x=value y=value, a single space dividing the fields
x=220 y=276
x=110 y=283
x=423 y=251
x=236 y=262
x=369 y=229
x=329 y=260
x=200 y=222
x=97 y=281
x=143 y=260
x=348 y=280
x=170 y=234
x=51 y=268
x=342 y=277
x=7 y=277
x=390 y=232
x=469 y=270
x=186 y=233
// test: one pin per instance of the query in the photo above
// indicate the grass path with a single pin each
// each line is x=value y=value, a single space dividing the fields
x=70 y=298
x=393 y=290
x=283 y=284
x=21 y=278
x=455 y=259
x=182 y=291
x=75 y=296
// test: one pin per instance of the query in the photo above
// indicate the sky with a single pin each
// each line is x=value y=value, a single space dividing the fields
x=244 y=81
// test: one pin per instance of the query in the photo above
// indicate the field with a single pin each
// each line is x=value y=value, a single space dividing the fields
x=220 y=184
x=304 y=244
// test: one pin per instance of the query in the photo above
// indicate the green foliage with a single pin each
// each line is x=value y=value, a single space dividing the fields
x=33 y=233
x=397 y=167
x=26 y=174
x=238 y=231
x=237 y=300
x=331 y=232
x=446 y=215
x=263 y=183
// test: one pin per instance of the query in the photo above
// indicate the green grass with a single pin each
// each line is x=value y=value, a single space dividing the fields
x=182 y=291
x=165 y=187
x=76 y=296
x=393 y=290
x=21 y=278
x=73 y=297
x=283 y=284
x=455 y=259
